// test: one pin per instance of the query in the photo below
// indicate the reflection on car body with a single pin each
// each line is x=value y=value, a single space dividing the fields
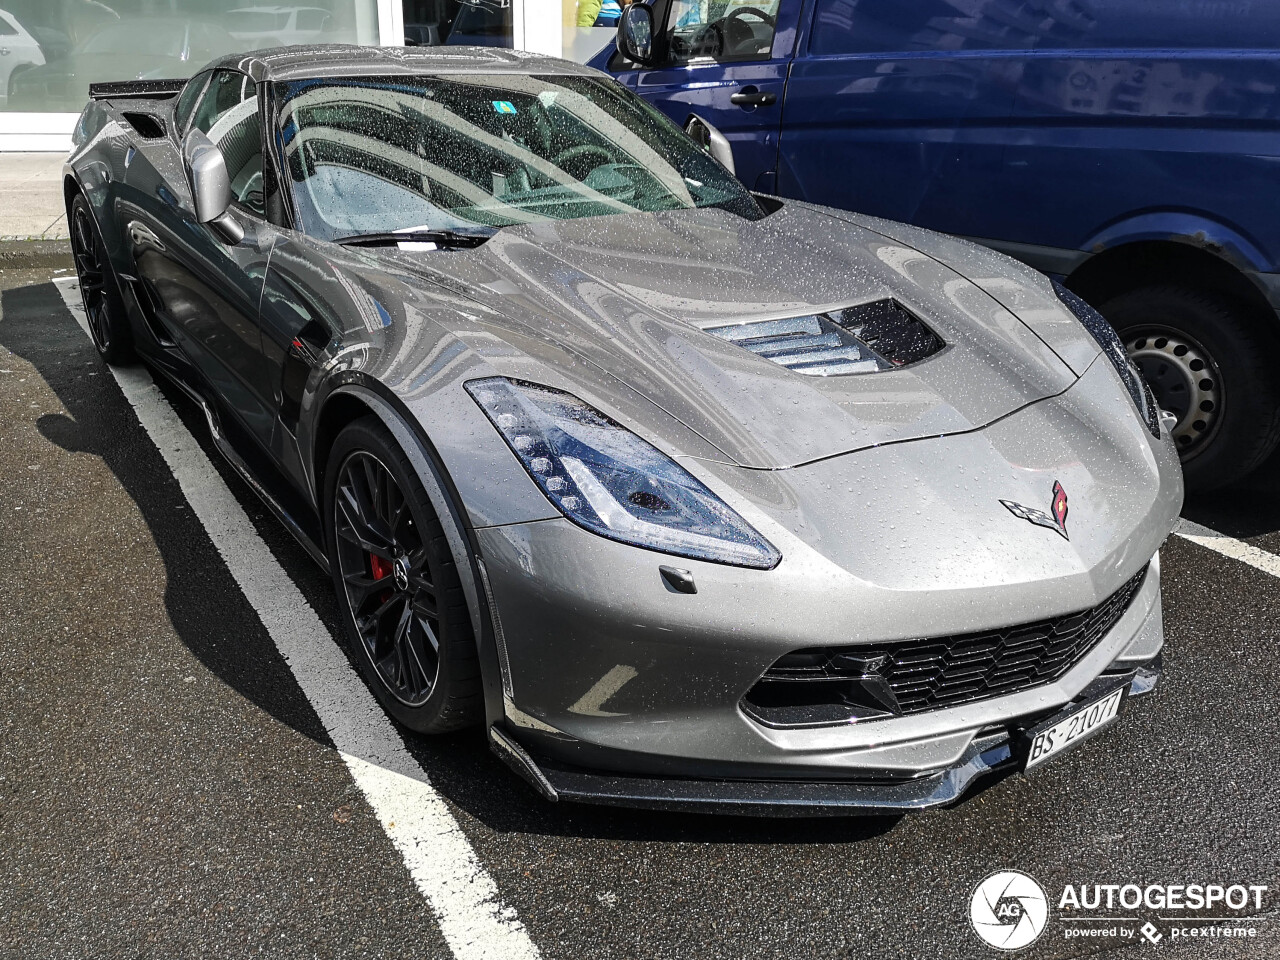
x=695 y=497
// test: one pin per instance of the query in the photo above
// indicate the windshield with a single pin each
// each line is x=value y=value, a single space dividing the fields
x=371 y=154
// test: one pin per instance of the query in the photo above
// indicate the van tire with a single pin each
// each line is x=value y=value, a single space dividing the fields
x=1208 y=358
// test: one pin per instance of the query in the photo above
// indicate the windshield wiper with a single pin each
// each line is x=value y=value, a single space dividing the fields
x=441 y=238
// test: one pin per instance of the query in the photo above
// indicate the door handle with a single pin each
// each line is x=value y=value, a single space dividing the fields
x=751 y=97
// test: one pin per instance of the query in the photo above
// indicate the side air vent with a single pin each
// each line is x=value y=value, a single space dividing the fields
x=867 y=338
x=147 y=126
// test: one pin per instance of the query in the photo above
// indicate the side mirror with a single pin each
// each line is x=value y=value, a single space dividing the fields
x=635 y=33
x=210 y=186
x=711 y=140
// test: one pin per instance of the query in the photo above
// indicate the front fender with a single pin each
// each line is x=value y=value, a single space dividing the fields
x=460 y=536
x=481 y=472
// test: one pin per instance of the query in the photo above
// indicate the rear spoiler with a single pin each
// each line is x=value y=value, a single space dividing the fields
x=136 y=89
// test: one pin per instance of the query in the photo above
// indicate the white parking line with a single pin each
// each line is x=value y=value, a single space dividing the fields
x=1229 y=547
x=441 y=862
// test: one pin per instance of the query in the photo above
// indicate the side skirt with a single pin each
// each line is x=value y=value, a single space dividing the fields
x=305 y=529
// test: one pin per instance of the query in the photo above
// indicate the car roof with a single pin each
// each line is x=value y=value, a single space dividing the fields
x=322 y=60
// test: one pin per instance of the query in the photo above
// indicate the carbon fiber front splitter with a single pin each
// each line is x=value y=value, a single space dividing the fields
x=990 y=756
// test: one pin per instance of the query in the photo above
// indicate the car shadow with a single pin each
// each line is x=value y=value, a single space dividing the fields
x=1244 y=509
x=210 y=616
x=203 y=602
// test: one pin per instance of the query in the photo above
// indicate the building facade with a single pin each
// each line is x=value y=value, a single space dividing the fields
x=51 y=50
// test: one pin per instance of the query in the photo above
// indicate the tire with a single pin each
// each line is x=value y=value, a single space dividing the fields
x=1213 y=364
x=99 y=288
x=397 y=584
x=13 y=77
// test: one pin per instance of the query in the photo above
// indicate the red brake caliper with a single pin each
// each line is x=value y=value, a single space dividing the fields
x=381 y=569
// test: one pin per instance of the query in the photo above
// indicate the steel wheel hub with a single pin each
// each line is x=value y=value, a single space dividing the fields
x=1185 y=380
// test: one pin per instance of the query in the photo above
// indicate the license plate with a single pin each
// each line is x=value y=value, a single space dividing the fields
x=1079 y=725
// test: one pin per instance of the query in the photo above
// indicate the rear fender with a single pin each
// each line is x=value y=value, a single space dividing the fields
x=1195 y=229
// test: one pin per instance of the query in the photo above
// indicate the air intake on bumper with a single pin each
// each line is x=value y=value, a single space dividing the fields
x=832 y=685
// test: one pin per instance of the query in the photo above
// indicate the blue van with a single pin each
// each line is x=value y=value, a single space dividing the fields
x=1130 y=148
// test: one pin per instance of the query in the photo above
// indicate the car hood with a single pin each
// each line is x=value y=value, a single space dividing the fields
x=633 y=296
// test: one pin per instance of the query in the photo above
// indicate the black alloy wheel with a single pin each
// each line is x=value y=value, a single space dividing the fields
x=405 y=612
x=388 y=584
x=99 y=291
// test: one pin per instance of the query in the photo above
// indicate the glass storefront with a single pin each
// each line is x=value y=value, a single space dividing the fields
x=51 y=50
x=481 y=23
x=56 y=48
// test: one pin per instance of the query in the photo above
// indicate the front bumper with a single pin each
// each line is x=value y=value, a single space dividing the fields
x=641 y=680
x=620 y=689
x=669 y=732
x=991 y=755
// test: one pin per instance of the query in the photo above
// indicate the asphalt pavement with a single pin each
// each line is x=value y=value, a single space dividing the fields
x=170 y=787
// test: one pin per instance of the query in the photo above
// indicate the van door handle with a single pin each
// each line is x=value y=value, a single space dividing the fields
x=751 y=97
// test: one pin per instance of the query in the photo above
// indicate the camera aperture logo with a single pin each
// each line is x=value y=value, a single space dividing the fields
x=1009 y=910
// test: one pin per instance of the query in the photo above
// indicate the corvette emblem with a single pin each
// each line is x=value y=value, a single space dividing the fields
x=1057 y=520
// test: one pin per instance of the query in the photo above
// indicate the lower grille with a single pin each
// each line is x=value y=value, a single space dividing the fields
x=829 y=685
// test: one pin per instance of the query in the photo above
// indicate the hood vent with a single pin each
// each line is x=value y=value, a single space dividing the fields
x=868 y=338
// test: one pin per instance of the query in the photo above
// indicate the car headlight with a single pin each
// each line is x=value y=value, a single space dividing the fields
x=606 y=479
x=1112 y=346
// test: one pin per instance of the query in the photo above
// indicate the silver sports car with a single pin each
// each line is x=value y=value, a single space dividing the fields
x=696 y=498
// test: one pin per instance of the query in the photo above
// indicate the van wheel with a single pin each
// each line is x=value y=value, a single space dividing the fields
x=1211 y=364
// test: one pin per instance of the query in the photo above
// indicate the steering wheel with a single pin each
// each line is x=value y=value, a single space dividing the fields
x=729 y=33
x=570 y=154
x=739 y=11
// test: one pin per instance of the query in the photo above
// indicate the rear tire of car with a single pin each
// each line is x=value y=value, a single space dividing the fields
x=1210 y=361
x=397 y=584
x=13 y=77
x=99 y=287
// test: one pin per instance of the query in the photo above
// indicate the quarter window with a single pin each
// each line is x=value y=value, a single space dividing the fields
x=228 y=115
x=187 y=102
